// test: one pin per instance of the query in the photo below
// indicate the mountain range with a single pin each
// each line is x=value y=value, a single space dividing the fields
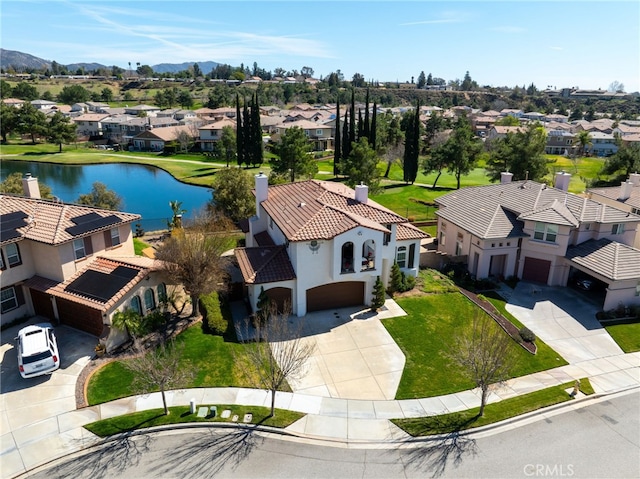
x=22 y=61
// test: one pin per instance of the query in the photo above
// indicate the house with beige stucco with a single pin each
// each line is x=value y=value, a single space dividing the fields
x=72 y=264
x=543 y=234
x=320 y=245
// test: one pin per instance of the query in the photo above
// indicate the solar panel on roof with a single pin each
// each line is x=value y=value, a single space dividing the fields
x=9 y=224
x=90 y=222
x=101 y=286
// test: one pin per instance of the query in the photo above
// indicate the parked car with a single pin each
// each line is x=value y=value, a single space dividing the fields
x=585 y=284
x=37 y=350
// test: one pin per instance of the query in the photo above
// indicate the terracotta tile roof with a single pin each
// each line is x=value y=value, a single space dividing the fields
x=53 y=223
x=166 y=133
x=100 y=265
x=406 y=231
x=265 y=264
x=322 y=210
x=615 y=261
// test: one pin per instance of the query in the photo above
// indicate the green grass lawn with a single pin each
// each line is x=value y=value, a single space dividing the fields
x=424 y=335
x=408 y=200
x=626 y=335
x=494 y=412
x=182 y=414
x=139 y=245
x=215 y=361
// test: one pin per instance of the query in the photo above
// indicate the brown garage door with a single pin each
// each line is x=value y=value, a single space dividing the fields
x=42 y=304
x=335 y=295
x=536 y=270
x=79 y=316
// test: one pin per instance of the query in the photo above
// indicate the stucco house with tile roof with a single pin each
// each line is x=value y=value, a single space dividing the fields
x=625 y=197
x=320 y=245
x=542 y=234
x=72 y=264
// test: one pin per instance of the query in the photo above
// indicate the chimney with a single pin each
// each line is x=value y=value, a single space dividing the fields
x=625 y=190
x=506 y=177
x=30 y=186
x=262 y=190
x=635 y=179
x=362 y=193
x=562 y=180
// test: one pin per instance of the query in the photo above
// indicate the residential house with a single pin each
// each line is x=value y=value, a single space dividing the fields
x=542 y=234
x=602 y=144
x=210 y=134
x=142 y=110
x=560 y=142
x=90 y=124
x=321 y=245
x=557 y=118
x=625 y=130
x=320 y=135
x=512 y=112
x=43 y=105
x=71 y=264
x=625 y=197
x=157 y=138
x=499 y=131
x=14 y=102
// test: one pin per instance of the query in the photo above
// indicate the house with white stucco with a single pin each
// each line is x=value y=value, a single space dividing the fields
x=321 y=245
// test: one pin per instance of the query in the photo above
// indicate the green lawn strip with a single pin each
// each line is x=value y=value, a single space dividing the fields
x=545 y=356
x=626 y=335
x=139 y=245
x=405 y=200
x=425 y=336
x=434 y=281
x=494 y=412
x=216 y=362
x=182 y=415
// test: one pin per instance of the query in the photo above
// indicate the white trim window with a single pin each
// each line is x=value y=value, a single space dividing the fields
x=617 y=229
x=78 y=248
x=8 y=299
x=401 y=256
x=115 y=236
x=545 y=232
x=13 y=255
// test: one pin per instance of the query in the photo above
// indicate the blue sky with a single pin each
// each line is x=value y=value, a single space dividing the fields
x=559 y=43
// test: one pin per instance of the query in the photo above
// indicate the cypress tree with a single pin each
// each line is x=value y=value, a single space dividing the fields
x=337 y=147
x=366 y=129
x=378 y=295
x=352 y=119
x=246 y=134
x=346 y=142
x=374 y=125
x=256 y=132
x=360 y=125
x=411 y=147
x=239 y=133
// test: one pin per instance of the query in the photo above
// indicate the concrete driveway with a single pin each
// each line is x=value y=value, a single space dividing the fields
x=563 y=319
x=32 y=411
x=355 y=357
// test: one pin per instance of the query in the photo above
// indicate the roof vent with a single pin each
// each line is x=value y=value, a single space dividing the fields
x=302 y=205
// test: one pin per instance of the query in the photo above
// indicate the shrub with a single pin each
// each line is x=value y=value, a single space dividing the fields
x=395 y=284
x=214 y=322
x=527 y=335
x=409 y=283
x=153 y=321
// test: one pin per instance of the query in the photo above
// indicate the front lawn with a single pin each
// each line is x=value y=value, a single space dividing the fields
x=409 y=200
x=425 y=334
x=626 y=335
x=182 y=414
x=494 y=412
x=216 y=363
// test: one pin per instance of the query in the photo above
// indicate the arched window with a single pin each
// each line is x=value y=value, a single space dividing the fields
x=136 y=305
x=149 y=300
x=347 y=257
x=162 y=292
x=401 y=256
x=368 y=255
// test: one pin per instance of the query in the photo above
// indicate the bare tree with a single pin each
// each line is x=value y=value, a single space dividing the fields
x=192 y=255
x=279 y=354
x=159 y=369
x=486 y=353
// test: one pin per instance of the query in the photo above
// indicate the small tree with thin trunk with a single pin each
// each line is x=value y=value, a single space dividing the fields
x=486 y=353
x=192 y=255
x=280 y=353
x=159 y=369
x=379 y=295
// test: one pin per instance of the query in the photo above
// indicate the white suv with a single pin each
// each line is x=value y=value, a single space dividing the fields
x=37 y=350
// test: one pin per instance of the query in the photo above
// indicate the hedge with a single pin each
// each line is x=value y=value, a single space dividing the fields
x=214 y=322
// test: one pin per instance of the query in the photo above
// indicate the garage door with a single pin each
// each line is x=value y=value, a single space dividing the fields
x=79 y=316
x=42 y=304
x=335 y=295
x=536 y=270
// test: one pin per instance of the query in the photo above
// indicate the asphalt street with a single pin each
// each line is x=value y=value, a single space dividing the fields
x=599 y=440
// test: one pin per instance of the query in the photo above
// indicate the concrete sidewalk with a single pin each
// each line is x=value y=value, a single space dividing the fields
x=342 y=420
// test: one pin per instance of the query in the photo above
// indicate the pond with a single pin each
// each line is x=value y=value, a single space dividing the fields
x=145 y=190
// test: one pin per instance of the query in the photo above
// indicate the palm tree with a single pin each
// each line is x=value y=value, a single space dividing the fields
x=128 y=321
x=582 y=140
x=177 y=211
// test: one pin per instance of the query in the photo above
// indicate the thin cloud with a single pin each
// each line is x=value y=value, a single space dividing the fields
x=445 y=17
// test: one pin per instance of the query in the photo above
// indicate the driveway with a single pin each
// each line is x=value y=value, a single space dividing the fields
x=563 y=319
x=32 y=411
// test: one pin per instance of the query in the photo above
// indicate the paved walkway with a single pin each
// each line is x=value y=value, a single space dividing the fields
x=327 y=418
